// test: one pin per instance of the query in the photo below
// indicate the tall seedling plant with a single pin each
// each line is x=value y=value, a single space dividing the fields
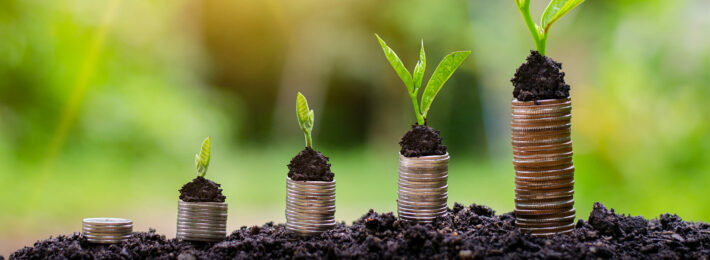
x=413 y=82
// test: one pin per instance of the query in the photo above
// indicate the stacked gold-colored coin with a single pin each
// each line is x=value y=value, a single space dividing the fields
x=423 y=188
x=202 y=221
x=107 y=230
x=544 y=172
x=310 y=206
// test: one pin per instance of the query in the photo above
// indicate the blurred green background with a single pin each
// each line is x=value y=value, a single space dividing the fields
x=103 y=104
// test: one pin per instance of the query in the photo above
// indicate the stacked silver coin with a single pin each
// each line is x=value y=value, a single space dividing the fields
x=423 y=187
x=310 y=206
x=202 y=221
x=544 y=171
x=107 y=230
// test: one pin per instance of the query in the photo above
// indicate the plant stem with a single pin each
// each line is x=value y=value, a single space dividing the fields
x=308 y=139
x=420 y=118
x=532 y=27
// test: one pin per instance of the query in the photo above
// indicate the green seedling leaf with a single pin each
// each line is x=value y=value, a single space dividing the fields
x=202 y=159
x=419 y=69
x=555 y=10
x=311 y=118
x=397 y=65
x=306 y=117
x=303 y=112
x=441 y=74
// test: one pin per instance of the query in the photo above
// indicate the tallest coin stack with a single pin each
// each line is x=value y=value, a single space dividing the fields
x=544 y=172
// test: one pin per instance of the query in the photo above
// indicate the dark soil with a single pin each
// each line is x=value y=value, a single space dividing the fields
x=466 y=232
x=310 y=165
x=539 y=78
x=201 y=190
x=422 y=140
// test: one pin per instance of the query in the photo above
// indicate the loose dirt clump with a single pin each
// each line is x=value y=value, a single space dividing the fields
x=464 y=233
x=422 y=140
x=310 y=165
x=201 y=190
x=539 y=78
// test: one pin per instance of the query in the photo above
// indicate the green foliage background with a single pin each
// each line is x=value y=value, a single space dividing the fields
x=103 y=103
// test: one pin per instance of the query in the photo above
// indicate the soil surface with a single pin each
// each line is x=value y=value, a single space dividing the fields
x=422 y=140
x=539 y=78
x=464 y=233
x=201 y=190
x=310 y=165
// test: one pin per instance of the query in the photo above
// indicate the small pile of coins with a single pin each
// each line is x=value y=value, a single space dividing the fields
x=107 y=230
x=423 y=188
x=202 y=221
x=310 y=206
x=544 y=172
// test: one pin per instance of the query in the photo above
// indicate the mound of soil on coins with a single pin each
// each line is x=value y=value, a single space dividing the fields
x=201 y=190
x=310 y=165
x=422 y=140
x=539 y=78
x=465 y=232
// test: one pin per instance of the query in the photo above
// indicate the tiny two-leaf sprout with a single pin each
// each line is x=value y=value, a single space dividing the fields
x=305 y=118
x=413 y=83
x=554 y=11
x=202 y=159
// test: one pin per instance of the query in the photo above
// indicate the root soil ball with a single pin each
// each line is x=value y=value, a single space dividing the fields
x=422 y=140
x=465 y=232
x=201 y=190
x=310 y=165
x=539 y=78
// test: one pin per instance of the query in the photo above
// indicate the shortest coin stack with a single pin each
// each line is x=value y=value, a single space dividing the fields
x=422 y=187
x=310 y=206
x=107 y=230
x=202 y=221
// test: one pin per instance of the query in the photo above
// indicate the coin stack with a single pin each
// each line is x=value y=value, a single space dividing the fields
x=544 y=172
x=310 y=206
x=423 y=188
x=202 y=221
x=107 y=230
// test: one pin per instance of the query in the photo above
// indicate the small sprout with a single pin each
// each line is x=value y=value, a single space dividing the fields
x=441 y=74
x=554 y=11
x=305 y=117
x=202 y=159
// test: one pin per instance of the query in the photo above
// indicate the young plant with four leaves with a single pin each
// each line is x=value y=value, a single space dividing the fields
x=414 y=82
x=554 y=11
x=423 y=140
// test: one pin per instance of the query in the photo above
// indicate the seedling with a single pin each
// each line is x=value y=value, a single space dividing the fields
x=201 y=189
x=554 y=11
x=309 y=164
x=305 y=118
x=413 y=82
x=202 y=159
